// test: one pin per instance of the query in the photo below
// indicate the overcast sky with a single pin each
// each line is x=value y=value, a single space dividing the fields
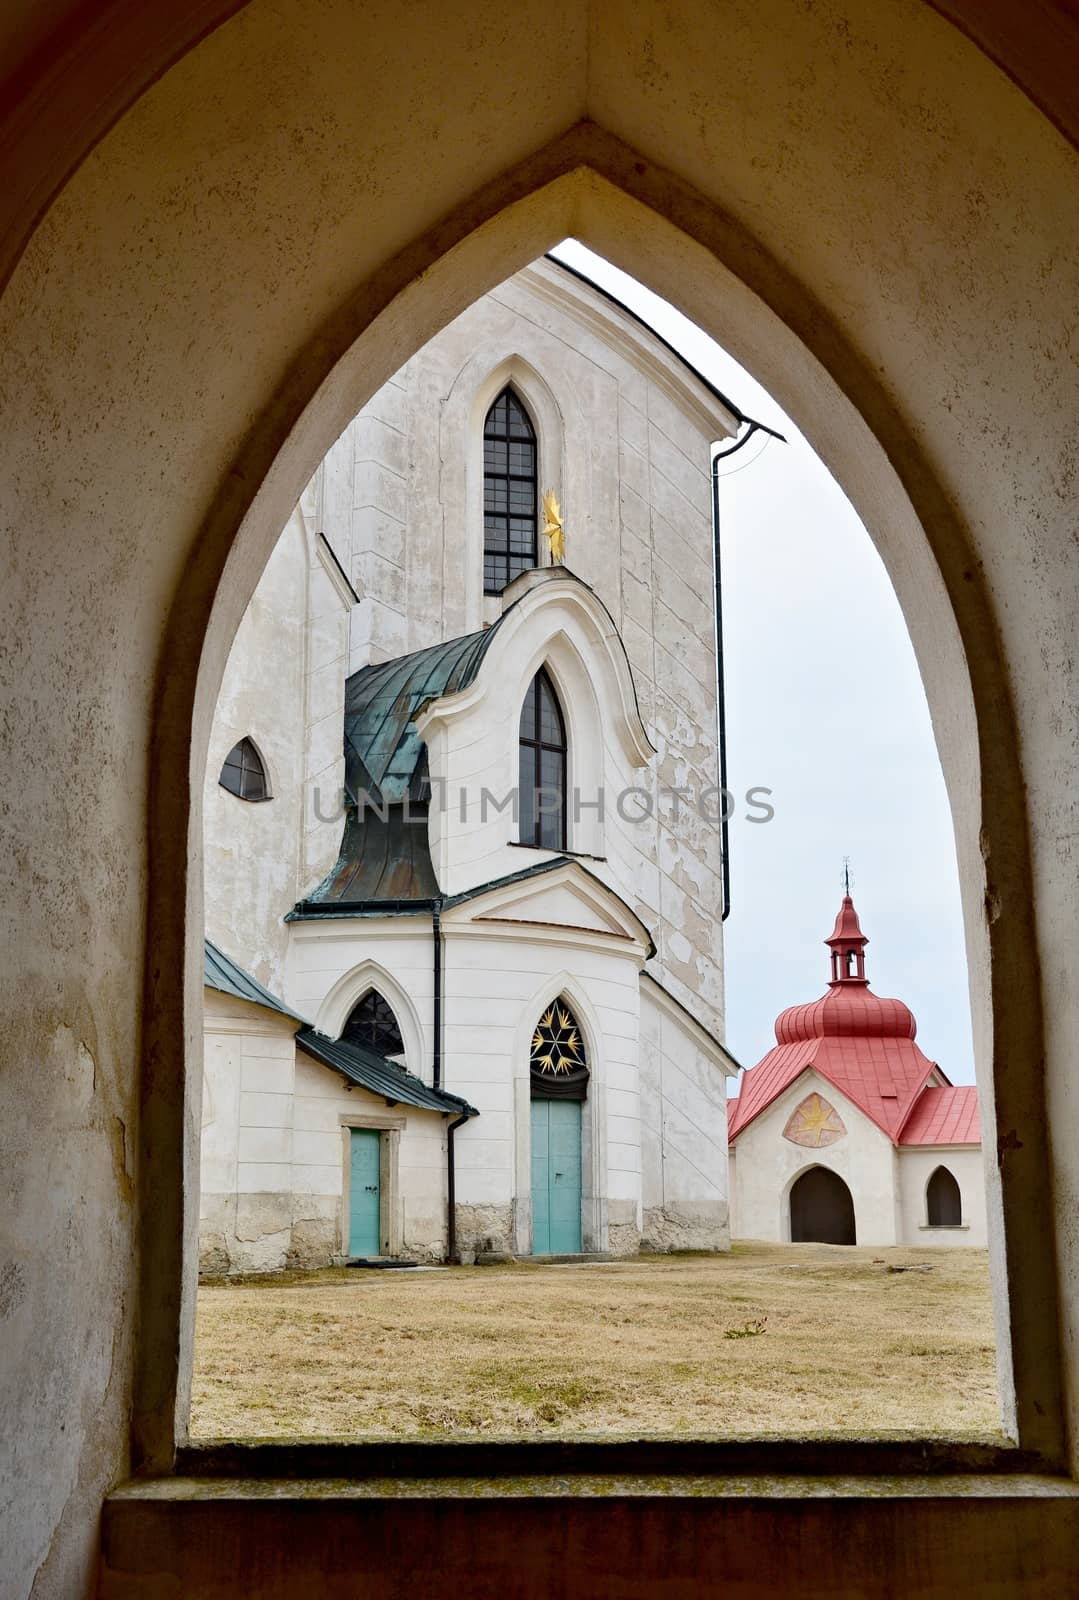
x=849 y=754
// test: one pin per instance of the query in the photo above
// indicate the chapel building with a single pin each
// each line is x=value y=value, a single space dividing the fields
x=846 y=1133
x=464 y=986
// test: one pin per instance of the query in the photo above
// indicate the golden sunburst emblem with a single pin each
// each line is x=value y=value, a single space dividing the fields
x=556 y=1043
x=814 y=1123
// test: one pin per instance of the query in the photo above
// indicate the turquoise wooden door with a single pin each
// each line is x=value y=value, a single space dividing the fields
x=363 y=1231
x=556 y=1177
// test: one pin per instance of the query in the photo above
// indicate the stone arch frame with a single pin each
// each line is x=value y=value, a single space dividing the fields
x=350 y=989
x=474 y=390
x=941 y=1166
x=1044 y=1015
x=925 y=518
x=788 y=1188
x=593 y=1113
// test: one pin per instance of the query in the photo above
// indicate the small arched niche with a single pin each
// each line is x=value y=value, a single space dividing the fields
x=943 y=1201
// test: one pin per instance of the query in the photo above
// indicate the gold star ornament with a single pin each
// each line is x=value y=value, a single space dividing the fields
x=552 y=527
x=556 y=1043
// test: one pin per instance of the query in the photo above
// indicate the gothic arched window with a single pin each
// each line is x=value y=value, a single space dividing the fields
x=372 y=1024
x=557 y=1059
x=509 y=493
x=244 y=774
x=543 y=767
x=943 y=1203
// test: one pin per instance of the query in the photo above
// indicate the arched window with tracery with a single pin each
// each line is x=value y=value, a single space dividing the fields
x=558 y=1060
x=373 y=1025
x=943 y=1202
x=543 y=767
x=244 y=773
x=510 y=499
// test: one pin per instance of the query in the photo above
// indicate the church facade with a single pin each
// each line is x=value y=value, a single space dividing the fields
x=846 y=1133
x=464 y=982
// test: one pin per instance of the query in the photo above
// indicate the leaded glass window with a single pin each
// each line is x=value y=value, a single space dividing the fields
x=542 y=792
x=372 y=1024
x=244 y=774
x=509 y=493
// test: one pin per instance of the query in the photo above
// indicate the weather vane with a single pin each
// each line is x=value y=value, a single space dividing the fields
x=552 y=527
x=846 y=875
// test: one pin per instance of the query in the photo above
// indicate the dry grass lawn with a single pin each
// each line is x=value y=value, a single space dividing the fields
x=650 y=1346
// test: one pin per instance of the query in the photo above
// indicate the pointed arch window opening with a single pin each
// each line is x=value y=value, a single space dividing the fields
x=243 y=773
x=510 y=493
x=558 y=1058
x=372 y=1024
x=943 y=1201
x=544 y=759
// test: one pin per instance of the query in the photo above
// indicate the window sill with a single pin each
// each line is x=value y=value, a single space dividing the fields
x=547 y=850
x=584 y=1518
x=944 y=1227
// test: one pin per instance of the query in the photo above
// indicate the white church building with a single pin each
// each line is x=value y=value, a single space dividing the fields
x=846 y=1132
x=464 y=986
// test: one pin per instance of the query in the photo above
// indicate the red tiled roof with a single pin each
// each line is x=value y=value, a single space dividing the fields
x=944 y=1116
x=864 y=1046
x=882 y=1077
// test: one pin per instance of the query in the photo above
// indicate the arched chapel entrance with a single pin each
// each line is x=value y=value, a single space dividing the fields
x=822 y=1210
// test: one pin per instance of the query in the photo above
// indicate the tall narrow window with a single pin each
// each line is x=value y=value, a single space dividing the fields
x=943 y=1202
x=372 y=1023
x=509 y=493
x=243 y=773
x=543 y=767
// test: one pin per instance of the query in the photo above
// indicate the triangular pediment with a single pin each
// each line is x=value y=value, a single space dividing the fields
x=568 y=898
x=562 y=904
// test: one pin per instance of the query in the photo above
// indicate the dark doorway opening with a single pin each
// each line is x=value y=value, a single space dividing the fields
x=822 y=1211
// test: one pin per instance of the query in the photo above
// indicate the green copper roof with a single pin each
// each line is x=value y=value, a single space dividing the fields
x=369 y=1070
x=220 y=972
x=384 y=858
x=361 y=1066
x=384 y=755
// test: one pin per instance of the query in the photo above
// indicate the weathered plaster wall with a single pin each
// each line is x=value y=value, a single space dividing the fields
x=967 y=1167
x=274 y=1159
x=766 y=1165
x=252 y=847
x=283 y=687
x=683 y=1132
x=904 y=216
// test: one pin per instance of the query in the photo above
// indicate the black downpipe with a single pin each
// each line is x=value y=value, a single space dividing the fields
x=721 y=697
x=436 y=1054
x=721 y=688
x=436 y=1077
x=451 y=1188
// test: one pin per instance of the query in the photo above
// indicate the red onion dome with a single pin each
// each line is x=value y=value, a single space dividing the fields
x=849 y=1010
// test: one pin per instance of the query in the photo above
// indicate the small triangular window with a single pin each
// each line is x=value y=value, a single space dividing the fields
x=244 y=773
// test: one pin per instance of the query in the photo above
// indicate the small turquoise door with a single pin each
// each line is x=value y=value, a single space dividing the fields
x=363 y=1231
x=556 y=1177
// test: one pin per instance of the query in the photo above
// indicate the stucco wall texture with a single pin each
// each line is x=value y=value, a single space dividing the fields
x=852 y=198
